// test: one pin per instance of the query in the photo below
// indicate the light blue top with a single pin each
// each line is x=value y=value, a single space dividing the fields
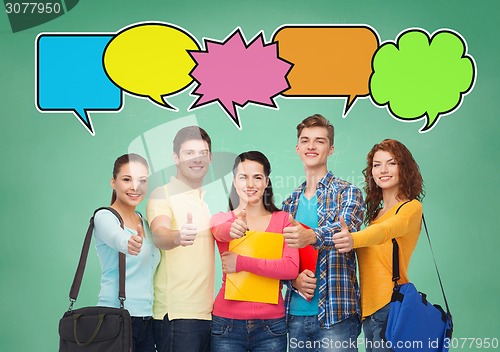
x=307 y=213
x=111 y=238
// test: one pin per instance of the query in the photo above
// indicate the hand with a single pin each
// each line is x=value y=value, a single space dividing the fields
x=229 y=262
x=135 y=241
x=239 y=225
x=187 y=234
x=343 y=240
x=305 y=283
x=297 y=236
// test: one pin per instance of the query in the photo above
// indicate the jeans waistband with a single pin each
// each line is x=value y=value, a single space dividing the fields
x=143 y=318
x=247 y=322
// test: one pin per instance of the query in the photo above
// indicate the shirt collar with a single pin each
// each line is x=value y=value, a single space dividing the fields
x=180 y=187
x=326 y=181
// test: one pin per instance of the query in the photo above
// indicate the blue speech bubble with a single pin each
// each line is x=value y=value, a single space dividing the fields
x=70 y=76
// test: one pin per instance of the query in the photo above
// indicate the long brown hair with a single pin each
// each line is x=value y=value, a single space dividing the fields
x=268 y=197
x=410 y=180
x=124 y=160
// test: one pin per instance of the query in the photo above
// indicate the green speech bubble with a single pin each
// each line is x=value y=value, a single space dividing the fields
x=421 y=76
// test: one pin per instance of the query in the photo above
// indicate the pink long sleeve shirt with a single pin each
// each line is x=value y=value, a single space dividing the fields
x=285 y=268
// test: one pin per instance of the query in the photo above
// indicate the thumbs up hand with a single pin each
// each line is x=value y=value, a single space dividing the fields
x=343 y=239
x=135 y=241
x=239 y=225
x=293 y=221
x=297 y=236
x=188 y=231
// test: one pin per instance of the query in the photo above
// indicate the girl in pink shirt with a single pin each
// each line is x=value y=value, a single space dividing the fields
x=240 y=325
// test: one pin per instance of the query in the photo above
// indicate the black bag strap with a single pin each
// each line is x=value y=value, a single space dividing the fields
x=395 y=260
x=77 y=281
x=435 y=265
x=395 y=255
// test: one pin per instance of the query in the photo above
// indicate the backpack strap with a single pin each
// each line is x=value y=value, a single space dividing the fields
x=395 y=261
x=435 y=265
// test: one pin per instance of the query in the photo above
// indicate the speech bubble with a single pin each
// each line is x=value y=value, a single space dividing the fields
x=328 y=61
x=233 y=73
x=420 y=76
x=151 y=60
x=70 y=76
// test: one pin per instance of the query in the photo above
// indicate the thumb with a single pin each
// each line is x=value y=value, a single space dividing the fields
x=343 y=225
x=140 y=231
x=189 y=218
x=293 y=221
x=243 y=215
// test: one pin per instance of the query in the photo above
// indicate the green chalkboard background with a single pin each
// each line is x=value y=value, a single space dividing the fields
x=54 y=173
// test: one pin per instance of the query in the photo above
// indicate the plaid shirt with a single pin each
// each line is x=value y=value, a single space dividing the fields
x=338 y=285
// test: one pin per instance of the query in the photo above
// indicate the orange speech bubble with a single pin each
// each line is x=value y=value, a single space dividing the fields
x=329 y=61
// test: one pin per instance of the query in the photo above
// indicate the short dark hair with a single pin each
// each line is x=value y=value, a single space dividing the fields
x=189 y=133
x=316 y=120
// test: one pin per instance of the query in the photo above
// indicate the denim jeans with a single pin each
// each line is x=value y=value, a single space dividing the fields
x=372 y=328
x=305 y=334
x=142 y=334
x=256 y=335
x=182 y=335
x=158 y=335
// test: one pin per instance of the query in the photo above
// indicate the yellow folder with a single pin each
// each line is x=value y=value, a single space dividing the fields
x=246 y=286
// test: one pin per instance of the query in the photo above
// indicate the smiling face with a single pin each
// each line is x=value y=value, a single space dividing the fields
x=313 y=147
x=250 y=182
x=192 y=162
x=385 y=171
x=131 y=184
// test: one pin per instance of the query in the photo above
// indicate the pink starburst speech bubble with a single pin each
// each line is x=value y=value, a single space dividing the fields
x=233 y=73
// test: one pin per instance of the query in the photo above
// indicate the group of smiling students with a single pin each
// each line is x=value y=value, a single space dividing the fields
x=170 y=265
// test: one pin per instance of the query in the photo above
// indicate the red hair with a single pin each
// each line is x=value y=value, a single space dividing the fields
x=410 y=180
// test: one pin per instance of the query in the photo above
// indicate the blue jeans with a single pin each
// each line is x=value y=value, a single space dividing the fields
x=257 y=335
x=158 y=335
x=142 y=334
x=305 y=334
x=372 y=328
x=182 y=335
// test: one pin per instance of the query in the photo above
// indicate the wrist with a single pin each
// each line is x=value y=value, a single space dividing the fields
x=176 y=238
x=312 y=237
x=239 y=263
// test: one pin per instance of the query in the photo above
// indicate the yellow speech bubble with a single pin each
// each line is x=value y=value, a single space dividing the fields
x=151 y=60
